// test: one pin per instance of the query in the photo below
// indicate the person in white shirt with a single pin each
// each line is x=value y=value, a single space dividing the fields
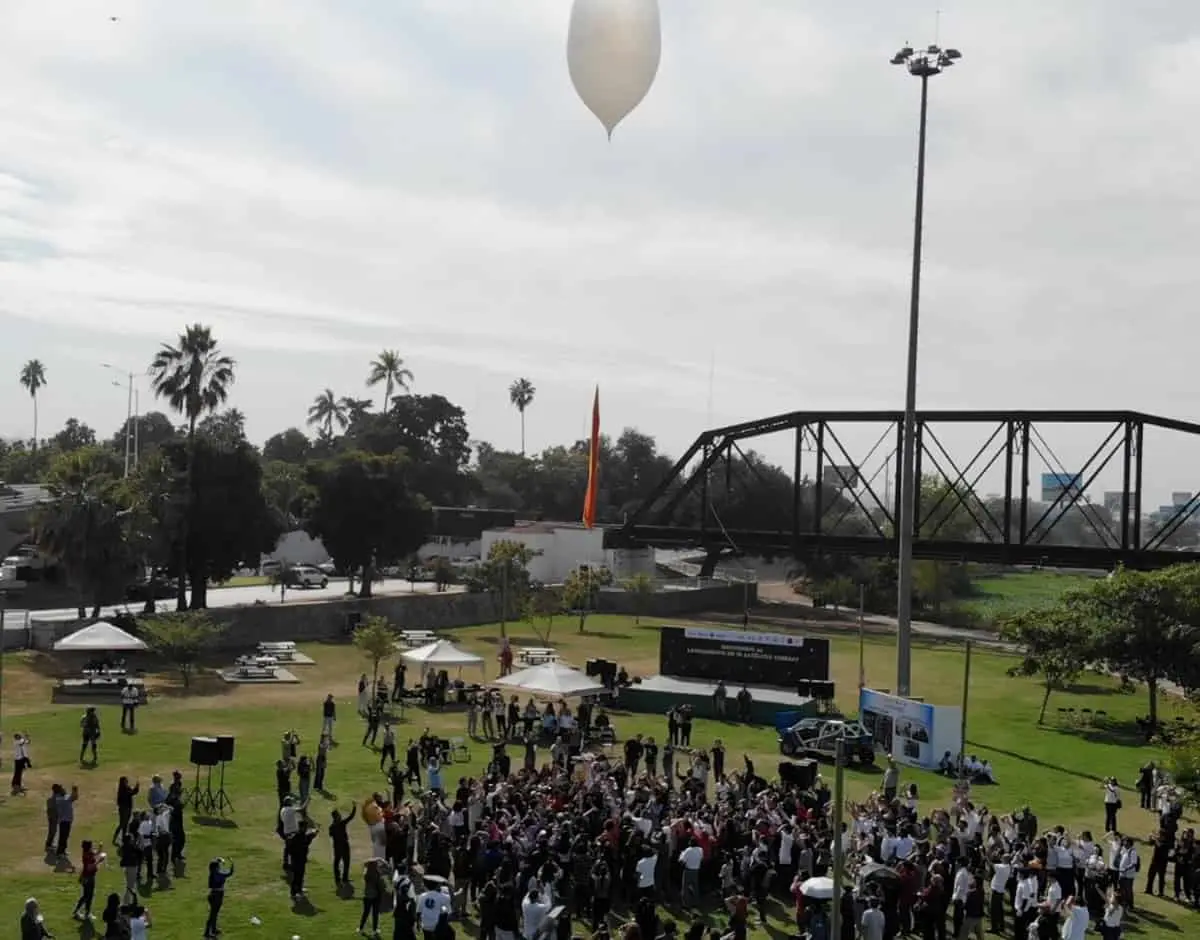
x=1025 y=902
x=904 y=845
x=1001 y=873
x=21 y=761
x=1127 y=868
x=958 y=894
x=533 y=915
x=1075 y=920
x=130 y=699
x=162 y=837
x=430 y=905
x=1112 y=803
x=691 y=859
x=1110 y=922
x=139 y=923
x=1054 y=894
x=647 y=866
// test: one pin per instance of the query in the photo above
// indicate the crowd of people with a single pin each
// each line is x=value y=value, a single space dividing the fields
x=564 y=828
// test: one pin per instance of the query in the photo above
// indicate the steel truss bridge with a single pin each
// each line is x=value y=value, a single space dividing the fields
x=1012 y=527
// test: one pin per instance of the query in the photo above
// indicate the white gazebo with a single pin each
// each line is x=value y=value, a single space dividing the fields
x=100 y=637
x=441 y=654
x=552 y=679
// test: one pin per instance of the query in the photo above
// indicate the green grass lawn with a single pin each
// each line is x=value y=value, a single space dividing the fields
x=1055 y=768
x=998 y=596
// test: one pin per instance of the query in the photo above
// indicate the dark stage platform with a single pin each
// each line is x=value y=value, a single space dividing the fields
x=655 y=694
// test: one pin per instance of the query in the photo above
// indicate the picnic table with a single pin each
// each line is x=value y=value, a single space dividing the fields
x=536 y=655
x=414 y=638
x=101 y=672
x=105 y=686
x=284 y=650
x=256 y=667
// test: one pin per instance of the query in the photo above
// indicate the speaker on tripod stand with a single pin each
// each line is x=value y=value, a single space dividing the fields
x=225 y=743
x=204 y=753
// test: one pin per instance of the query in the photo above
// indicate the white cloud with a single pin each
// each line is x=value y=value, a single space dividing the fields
x=319 y=181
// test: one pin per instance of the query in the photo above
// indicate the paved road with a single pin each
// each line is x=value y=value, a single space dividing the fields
x=228 y=597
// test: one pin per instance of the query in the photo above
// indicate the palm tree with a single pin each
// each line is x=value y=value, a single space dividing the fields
x=33 y=378
x=356 y=408
x=388 y=368
x=326 y=410
x=521 y=393
x=194 y=378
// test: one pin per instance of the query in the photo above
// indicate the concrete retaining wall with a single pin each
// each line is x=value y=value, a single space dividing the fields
x=325 y=620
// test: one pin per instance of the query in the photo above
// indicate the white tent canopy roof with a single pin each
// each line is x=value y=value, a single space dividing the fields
x=100 y=637
x=442 y=653
x=552 y=679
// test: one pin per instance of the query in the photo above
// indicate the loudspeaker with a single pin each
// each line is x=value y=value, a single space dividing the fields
x=225 y=747
x=799 y=773
x=822 y=689
x=205 y=752
x=804 y=688
x=591 y=668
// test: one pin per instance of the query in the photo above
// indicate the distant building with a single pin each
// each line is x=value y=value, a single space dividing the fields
x=563 y=547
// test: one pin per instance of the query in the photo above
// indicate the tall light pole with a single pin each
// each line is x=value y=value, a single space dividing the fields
x=923 y=64
x=130 y=417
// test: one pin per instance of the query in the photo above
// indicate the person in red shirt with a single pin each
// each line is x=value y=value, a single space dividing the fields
x=88 y=869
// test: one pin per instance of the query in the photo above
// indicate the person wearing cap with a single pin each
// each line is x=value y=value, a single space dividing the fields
x=33 y=926
x=218 y=875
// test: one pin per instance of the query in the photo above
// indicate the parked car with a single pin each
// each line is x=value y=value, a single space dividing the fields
x=154 y=588
x=818 y=737
x=10 y=580
x=327 y=568
x=306 y=576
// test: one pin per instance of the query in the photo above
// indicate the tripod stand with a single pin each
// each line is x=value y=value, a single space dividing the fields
x=203 y=801
x=220 y=799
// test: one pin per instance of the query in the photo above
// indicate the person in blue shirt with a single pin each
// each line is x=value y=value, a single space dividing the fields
x=217 y=876
x=435 y=775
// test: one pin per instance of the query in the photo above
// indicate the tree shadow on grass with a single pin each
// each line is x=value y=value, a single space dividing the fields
x=201 y=685
x=214 y=822
x=1125 y=734
x=1069 y=771
x=1137 y=920
x=602 y=635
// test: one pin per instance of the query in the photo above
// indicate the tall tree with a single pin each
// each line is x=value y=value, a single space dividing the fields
x=84 y=527
x=74 y=435
x=520 y=394
x=365 y=513
x=1056 y=644
x=194 y=377
x=290 y=446
x=224 y=428
x=1147 y=626
x=388 y=369
x=219 y=509
x=326 y=411
x=33 y=380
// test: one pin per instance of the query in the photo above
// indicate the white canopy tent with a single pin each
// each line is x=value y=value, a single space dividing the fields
x=441 y=653
x=552 y=679
x=100 y=637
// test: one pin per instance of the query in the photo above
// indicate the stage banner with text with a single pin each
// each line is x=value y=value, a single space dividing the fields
x=742 y=656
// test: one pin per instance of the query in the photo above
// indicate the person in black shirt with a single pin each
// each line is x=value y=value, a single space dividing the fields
x=413 y=761
x=321 y=764
x=372 y=732
x=283 y=780
x=89 y=727
x=217 y=876
x=125 y=795
x=398 y=678
x=650 y=755
x=395 y=777
x=340 y=837
x=685 y=726
x=175 y=825
x=304 y=776
x=717 y=753
x=299 y=846
x=633 y=754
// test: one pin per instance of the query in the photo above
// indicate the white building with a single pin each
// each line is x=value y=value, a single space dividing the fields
x=560 y=548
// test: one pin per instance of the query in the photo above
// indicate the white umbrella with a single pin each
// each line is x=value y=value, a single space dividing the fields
x=552 y=679
x=100 y=637
x=819 y=889
x=441 y=653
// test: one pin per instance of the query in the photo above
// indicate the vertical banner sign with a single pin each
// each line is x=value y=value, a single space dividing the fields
x=589 y=499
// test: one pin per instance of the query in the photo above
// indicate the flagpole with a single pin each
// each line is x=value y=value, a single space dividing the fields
x=862 y=669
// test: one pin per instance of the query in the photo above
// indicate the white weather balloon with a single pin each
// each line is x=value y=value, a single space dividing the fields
x=613 y=51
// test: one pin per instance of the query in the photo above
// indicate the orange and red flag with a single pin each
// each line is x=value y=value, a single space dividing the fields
x=589 y=499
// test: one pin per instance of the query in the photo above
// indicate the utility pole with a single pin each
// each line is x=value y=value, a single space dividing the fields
x=839 y=863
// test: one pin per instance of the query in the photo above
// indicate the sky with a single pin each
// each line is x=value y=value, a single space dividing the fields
x=319 y=181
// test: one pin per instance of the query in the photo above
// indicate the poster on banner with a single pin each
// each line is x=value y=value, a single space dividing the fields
x=915 y=733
